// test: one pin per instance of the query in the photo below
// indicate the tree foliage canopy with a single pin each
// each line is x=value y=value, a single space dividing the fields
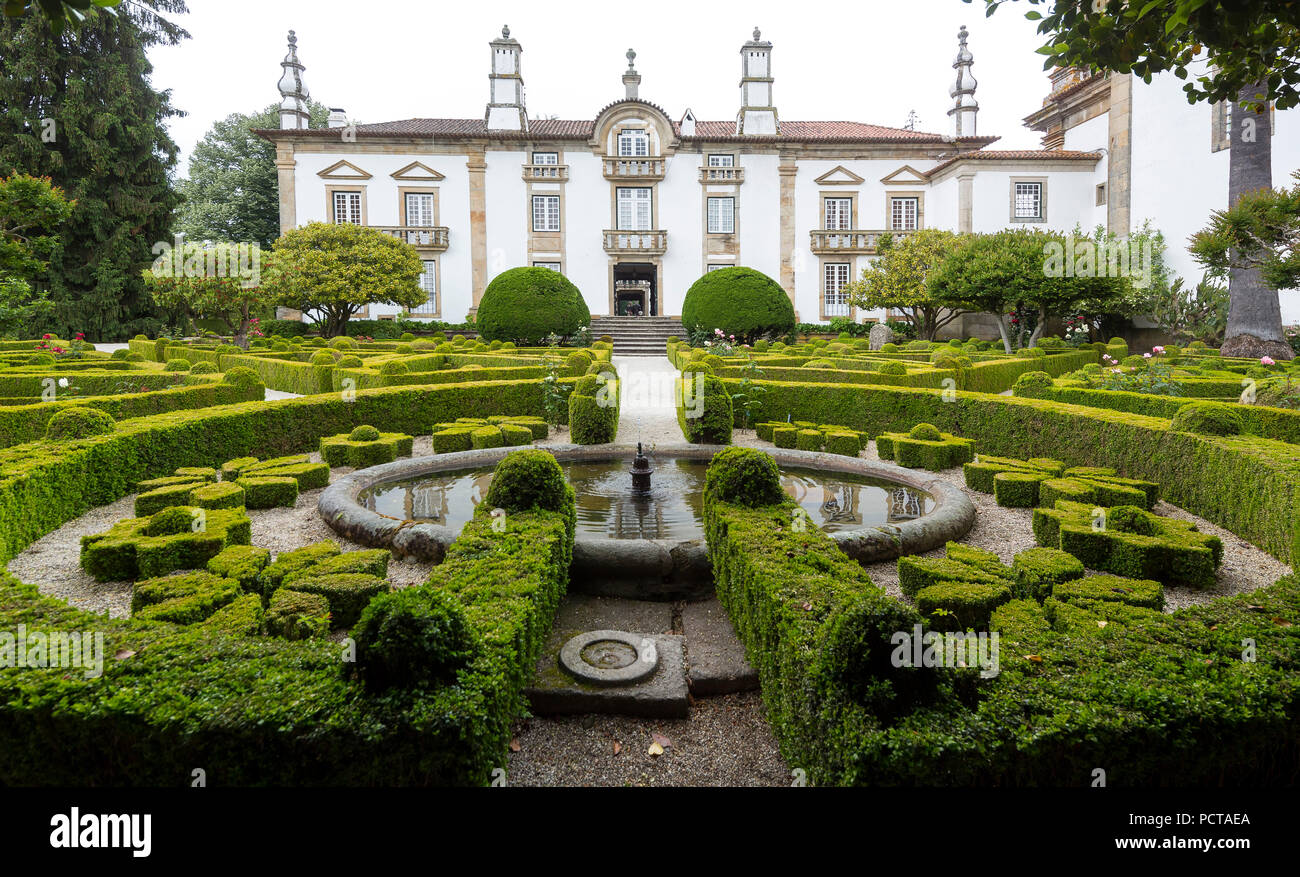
x=220 y=282
x=1262 y=230
x=331 y=272
x=31 y=211
x=897 y=279
x=1244 y=41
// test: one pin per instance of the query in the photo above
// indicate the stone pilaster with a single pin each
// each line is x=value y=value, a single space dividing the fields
x=477 y=165
x=787 y=171
x=966 y=203
x=1119 y=165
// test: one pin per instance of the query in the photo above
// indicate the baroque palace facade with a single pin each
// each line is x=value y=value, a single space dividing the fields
x=634 y=205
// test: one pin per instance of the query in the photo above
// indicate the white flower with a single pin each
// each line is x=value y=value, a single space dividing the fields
x=63 y=382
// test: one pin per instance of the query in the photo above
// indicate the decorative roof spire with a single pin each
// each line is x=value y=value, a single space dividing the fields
x=631 y=79
x=505 y=31
x=965 y=108
x=505 y=109
x=757 y=34
x=293 y=93
x=757 y=114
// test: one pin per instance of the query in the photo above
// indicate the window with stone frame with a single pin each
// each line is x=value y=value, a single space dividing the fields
x=634 y=209
x=429 y=283
x=724 y=159
x=546 y=213
x=711 y=268
x=347 y=208
x=904 y=214
x=546 y=158
x=553 y=266
x=1027 y=204
x=837 y=213
x=835 y=276
x=633 y=143
x=419 y=209
x=722 y=215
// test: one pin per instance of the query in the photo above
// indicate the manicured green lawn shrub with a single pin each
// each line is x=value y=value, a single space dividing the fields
x=1134 y=592
x=70 y=424
x=923 y=446
x=704 y=409
x=365 y=446
x=268 y=491
x=487 y=437
x=958 y=605
x=1131 y=542
x=347 y=593
x=809 y=440
x=744 y=476
x=785 y=436
x=185 y=599
x=243 y=563
x=1039 y=570
x=739 y=301
x=298 y=615
x=141 y=548
x=525 y=305
x=446 y=441
x=1208 y=418
x=1032 y=385
x=847 y=444
x=243 y=616
x=413 y=637
x=527 y=480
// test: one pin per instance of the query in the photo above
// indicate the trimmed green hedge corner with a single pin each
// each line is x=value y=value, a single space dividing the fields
x=704 y=409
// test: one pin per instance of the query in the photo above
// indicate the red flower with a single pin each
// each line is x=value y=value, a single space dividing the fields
x=47 y=336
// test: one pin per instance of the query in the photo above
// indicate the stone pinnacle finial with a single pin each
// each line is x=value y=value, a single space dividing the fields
x=293 y=39
x=757 y=35
x=631 y=60
x=505 y=31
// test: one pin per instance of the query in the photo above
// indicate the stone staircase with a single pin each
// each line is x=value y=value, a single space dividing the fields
x=638 y=336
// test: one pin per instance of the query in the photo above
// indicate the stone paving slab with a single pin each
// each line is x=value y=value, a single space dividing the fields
x=715 y=656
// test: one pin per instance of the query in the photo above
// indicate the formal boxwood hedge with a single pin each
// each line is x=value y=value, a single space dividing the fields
x=524 y=305
x=172 y=539
x=704 y=409
x=359 y=452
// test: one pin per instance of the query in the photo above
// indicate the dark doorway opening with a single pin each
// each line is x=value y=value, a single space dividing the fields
x=636 y=292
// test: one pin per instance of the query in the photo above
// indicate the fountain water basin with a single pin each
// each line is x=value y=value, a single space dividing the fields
x=647 y=542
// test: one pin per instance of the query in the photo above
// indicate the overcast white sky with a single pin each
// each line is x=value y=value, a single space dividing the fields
x=865 y=60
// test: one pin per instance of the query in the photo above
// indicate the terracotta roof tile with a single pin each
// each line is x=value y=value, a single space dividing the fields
x=1016 y=155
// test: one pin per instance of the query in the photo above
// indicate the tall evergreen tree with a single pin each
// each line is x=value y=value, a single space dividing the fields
x=232 y=194
x=78 y=107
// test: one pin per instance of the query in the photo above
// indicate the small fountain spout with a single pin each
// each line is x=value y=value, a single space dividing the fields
x=641 y=470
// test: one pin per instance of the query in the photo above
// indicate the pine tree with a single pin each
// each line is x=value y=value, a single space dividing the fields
x=78 y=107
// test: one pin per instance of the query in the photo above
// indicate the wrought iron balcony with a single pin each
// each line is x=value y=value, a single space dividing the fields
x=625 y=169
x=849 y=241
x=425 y=237
x=648 y=243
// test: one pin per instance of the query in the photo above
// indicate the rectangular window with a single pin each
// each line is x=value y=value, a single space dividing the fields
x=1028 y=201
x=634 y=210
x=419 y=208
x=546 y=213
x=429 y=283
x=546 y=158
x=836 y=277
x=722 y=215
x=722 y=161
x=347 y=207
x=633 y=143
x=839 y=213
x=712 y=268
x=1101 y=194
x=554 y=266
x=903 y=214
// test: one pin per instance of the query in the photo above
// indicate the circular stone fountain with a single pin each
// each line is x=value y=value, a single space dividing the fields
x=647 y=543
x=610 y=657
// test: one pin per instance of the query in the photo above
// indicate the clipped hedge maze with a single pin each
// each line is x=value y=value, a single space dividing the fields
x=487 y=432
x=813 y=437
x=179 y=537
x=364 y=446
x=1132 y=542
x=925 y=447
x=275 y=482
x=1030 y=483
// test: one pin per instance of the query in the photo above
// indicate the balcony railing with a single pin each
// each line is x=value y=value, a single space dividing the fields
x=649 y=243
x=849 y=241
x=428 y=237
x=546 y=173
x=722 y=175
x=633 y=169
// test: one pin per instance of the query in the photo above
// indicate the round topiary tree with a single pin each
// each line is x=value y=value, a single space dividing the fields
x=364 y=433
x=79 y=423
x=1207 y=418
x=528 y=479
x=177 y=365
x=893 y=368
x=393 y=367
x=743 y=476
x=322 y=357
x=203 y=368
x=242 y=376
x=925 y=432
x=739 y=301
x=412 y=637
x=525 y=305
x=1032 y=384
x=350 y=361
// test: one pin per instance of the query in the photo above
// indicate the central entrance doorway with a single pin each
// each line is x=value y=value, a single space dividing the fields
x=636 y=293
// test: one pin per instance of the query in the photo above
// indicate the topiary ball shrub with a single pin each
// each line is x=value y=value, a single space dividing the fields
x=1032 y=385
x=412 y=637
x=1130 y=519
x=406 y=336
x=739 y=301
x=132 y=356
x=350 y=361
x=364 y=433
x=40 y=359
x=926 y=432
x=322 y=357
x=528 y=479
x=893 y=368
x=79 y=423
x=242 y=376
x=1207 y=418
x=177 y=365
x=404 y=349
x=889 y=347
x=395 y=367
x=745 y=477
x=342 y=342
x=527 y=304
x=203 y=368
x=170 y=522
